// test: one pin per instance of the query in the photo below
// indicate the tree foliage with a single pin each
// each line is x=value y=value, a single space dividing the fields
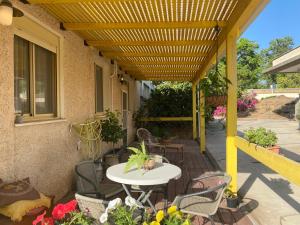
x=170 y=99
x=249 y=67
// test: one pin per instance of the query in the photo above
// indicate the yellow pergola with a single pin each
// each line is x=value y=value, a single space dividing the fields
x=172 y=40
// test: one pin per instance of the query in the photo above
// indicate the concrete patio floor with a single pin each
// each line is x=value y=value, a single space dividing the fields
x=275 y=196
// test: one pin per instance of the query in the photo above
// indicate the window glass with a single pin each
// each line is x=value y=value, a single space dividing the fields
x=44 y=80
x=22 y=75
x=99 y=88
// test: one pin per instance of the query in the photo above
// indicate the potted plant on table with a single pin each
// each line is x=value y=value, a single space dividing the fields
x=111 y=132
x=263 y=137
x=139 y=159
x=232 y=199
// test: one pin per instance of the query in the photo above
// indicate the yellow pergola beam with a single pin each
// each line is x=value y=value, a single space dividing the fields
x=152 y=69
x=276 y=162
x=202 y=122
x=105 y=43
x=138 y=62
x=144 y=25
x=152 y=54
x=73 y=1
x=194 y=111
x=244 y=13
x=231 y=113
x=168 y=78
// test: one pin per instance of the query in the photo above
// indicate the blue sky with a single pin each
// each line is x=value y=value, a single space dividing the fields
x=278 y=19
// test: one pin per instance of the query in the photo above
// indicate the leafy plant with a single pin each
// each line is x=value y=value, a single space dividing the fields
x=111 y=130
x=229 y=194
x=118 y=214
x=138 y=158
x=261 y=136
x=89 y=136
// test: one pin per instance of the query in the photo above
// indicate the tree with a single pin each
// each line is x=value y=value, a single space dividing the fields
x=249 y=64
x=277 y=47
x=288 y=80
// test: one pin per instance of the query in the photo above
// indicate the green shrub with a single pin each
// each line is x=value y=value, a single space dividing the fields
x=261 y=136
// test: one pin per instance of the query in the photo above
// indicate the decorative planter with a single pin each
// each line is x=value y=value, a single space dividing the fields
x=149 y=164
x=232 y=202
x=275 y=149
x=113 y=157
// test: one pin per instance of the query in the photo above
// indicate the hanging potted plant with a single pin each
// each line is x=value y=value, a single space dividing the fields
x=263 y=137
x=111 y=132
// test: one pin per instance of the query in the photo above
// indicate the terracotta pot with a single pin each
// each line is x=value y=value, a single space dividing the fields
x=275 y=149
x=149 y=164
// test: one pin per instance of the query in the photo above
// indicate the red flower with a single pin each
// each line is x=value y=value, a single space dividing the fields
x=70 y=206
x=39 y=218
x=44 y=221
x=59 y=212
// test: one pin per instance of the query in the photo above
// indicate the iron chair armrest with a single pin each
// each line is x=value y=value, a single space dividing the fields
x=207 y=191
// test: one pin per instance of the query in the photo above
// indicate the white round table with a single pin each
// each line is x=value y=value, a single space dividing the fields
x=161 y=174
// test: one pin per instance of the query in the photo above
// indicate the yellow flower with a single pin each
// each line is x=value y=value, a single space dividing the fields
x=172 y=209
x=177 y=214
x=145 y=223
x=159 y=216
x=154 y=223
x=186 y=222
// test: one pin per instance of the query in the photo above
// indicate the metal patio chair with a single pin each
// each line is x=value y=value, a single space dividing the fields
x=90 y=184
x=204 y=203
x=150 y=141
x=94 y=208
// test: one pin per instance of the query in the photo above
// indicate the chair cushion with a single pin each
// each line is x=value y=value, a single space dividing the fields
x=16 y=191
x=18 y=209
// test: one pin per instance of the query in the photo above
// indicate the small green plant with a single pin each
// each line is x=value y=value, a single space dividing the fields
x=111 y=130
x=137 y=159
x=229 y=194
x=261 y=136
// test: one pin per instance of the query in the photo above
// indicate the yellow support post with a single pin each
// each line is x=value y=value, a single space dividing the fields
x=231 y=116
x=202 y=122
x=194 y=111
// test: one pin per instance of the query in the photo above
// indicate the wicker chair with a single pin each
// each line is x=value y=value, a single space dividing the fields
x=204 y=203
x=90 y=184
x=93 y=207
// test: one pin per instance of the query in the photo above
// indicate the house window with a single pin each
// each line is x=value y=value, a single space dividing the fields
x=35 y=79
x=99 y=88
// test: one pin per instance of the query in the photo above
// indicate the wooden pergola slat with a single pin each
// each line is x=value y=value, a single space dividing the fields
x=153 y=54
x=144 y=25
x=105 y=43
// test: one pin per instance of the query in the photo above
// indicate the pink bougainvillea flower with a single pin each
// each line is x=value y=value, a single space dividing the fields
x=59 y=212
x=70 y=206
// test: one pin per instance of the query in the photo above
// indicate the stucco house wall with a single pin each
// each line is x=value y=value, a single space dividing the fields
x=45 y=151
